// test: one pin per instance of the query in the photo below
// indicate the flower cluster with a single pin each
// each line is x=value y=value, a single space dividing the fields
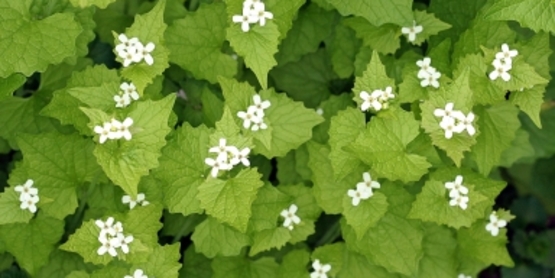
x=454 y=121
x=427 y=74
x=503 y=63
x=28 y=196
x=255 y=114
x=290 y=217
x=111 y=237
x=365 y=189
x=114 y=130
x=253 y=11
x=126 y=199
x=128 y=92
x=412 y=31
x=133 y=51
x=377 y=100
x=495 y=223
x=139 y=273
x=458 y=193
x=320 y=270
x=227 y=157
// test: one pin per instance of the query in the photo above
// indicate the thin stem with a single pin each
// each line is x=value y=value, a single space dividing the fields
x=191 y=221
x=331 y=234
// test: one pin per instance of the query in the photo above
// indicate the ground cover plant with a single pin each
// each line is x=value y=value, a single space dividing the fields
x=266 y=138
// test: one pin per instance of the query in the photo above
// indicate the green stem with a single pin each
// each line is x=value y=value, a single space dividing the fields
x=191 y=220
x=331 y=234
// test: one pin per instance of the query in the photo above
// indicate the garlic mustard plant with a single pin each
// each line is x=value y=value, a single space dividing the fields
x=495 y=224
x=412 y=31
x=140 y=200
x=253 y=12
x=253 y=118
x=503 y=63
x=319 y=270
x=28 y=196
x=227 y=157
x=429 y=75
x=111 y=237
x=138 y=273
x=290 y=217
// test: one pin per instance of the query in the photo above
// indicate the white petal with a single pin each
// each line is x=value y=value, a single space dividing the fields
x=148 y=59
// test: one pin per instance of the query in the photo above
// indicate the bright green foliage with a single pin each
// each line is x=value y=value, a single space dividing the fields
x=485 y=91
x=294 y=264
x=9 y=84
x=162 y=262
x=213 y=238
x=439 y=252
x=195 y=265
x=284 y=14
x=342 y=55
x=239 y=267
x=87 y=3
x=61 y=263
x=31 y=243
x=266 y=208
x=478 y=244
x=257 y=46
x=134 y=223
x=125 y=162
x=9 y=208
x=378 y=12
x=366 y=214
x=356 y=265
x=499 y=124
x=373 y=78
x=230 y=200
x=384 y=39
x=183 y=167
x=537 y=15
x=430 y=26
x=331 y=254
x=529 y=101
x=268 y=239
x=101 y=97
x=523 y=75
x=148 y=28
x=27 y=44
x=57 y=164
x=311 y=27
x=383 y=145
x=344 y=129
x=290 y=122
x=197 y=51
x=308 y=211
x=460 y=94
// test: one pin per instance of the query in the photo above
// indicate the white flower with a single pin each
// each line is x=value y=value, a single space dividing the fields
x=386 y=94
x=501 y=69
x=449 y=126
x=424 y=65
x=258 y=126
x=106 y=247
x=411 y=32
x=367 y=183
x=104 y=132
x=290 y=217
x=456 y=187
x=139 y=273
x=320 y=111
x=118 y=228
x=361 y=193
x=461 y=201
x=446 y=112
x=466 y=122
x=30 y=203
x=249 y=117
x=241 y=157
x=222 y=150
x=506 y=53
x=122 y=100
x=131 y=55
x=260 y=13
x=123 y=128
x=216 y=166
x=371 y=100
x=126 y=43
x=121 y=241
x=245 y=20
x=26 y=190
x=464 y=276
x=260 y=105
x=431 y=79
x=144 y=52
x=130 y=90
x=106 y=228
x=126 y=199
x=320 y=270
x=495 y=223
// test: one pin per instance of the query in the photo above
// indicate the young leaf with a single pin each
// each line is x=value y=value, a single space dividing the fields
x=378 y=12
x=384 y=39
x=477 y=243
x=239 y=267
x=266 y=208
x=268 y=239
x=10 y=212
x=430 y=26
x=294 y=264
x=373 y=78
x=344 y=129
x=439 y=252
x=331 y=254
x=366 y=214
x=213 y=238
x=102 y=4
x=534 y=14
x=101 y=97
x=162 y=262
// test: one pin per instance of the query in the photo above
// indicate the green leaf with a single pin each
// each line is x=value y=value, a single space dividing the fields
x=343 y=54
x=212 y=238
x=101 y=97
x=61 y=264
x=162 y=262
x=535 y=14
x=331 y=254
x=230 y=200
x=182 y=168
x=197 y=51
x=373 y=78
x=312 y=26
x=477 y=243
x=57 y=164
x=266 y=208
x=344 y=129
x=9 y=84
x=195 y=265
x=102 y=4
x=27 y=44
x=499 y=124
x=148 y=27
x=478 y=80
x=10 y=212
x=430 y=26
x=383 y=147
x=257 y=46
x=125 y=162
x=356 y=265
x=460 y=94
x=31 y=243
x=328 y=109
x=284 y=13
x=239 y=267
x=378 y=12
x=366 y=214
x=384 y=39
x=143 y=223
x=291 y=124
x=294 y=264
x=459 y=14
x=268 y=239
x=308 y=210
x=439 y=252
x=520 y=148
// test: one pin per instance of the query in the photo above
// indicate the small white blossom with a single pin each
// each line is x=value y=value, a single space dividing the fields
x=320 y=111
x=139 y=273
x=495 y=223
x=130 y=55
x=145 y=51
x=259 y=126
x=371 y=100
x=464 y=276
x=446 y=112
x=431 y=79
x=501 y=70
x=290 y=217
x=506 y=53
x=106 y=227
x=456 y=187
x=461 y=201
x=107 y=247
x=368 y=183
x=424 y=65
x=412 y=31
x=122 y=100
x=320 y=270
x=466 y=122
x=103 y=131
x=241 y=157
x=125 y=43
x=26 y=190
x=123 y=128
x=130 y=90
x=30 y=203
x=121 y=241
x=126 y=199
x=386 y=95
x=450 y=126
x=249 y=117
x=222 y=150
x=245 y=20
x=361 y=193
x=260 y=105
x=259 y=12
x=216 y=166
